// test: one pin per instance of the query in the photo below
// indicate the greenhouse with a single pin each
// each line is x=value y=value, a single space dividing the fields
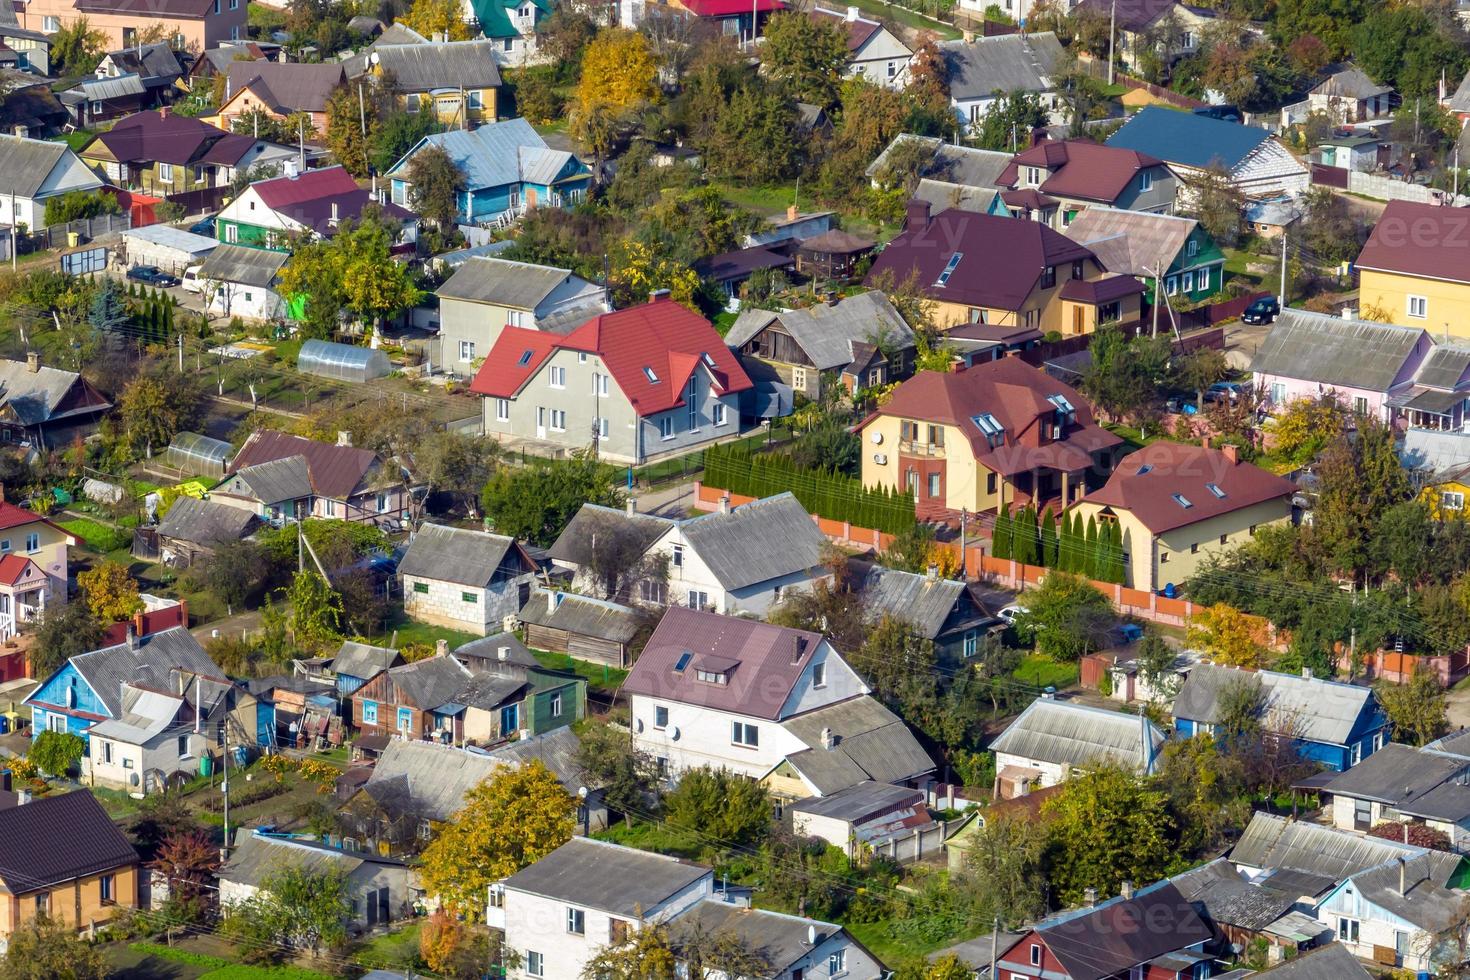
x=198 y=455
x=343 y=362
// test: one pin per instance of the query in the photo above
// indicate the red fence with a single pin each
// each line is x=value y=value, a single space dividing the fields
x=1330 y=176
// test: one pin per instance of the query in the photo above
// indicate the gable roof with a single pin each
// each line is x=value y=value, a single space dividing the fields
x=153 y=62
x=1416 y=782
x=858 y=30
x=277 y=480
x=767 y=662
x=1068 y=734
x=999 y=259
x=557 y=750
x=1350 y=82
x=827 y=332
x=59 y=838
x=1132 y=242
x=243 y=264
x=287 y=87
x=757 y=542
x=580 y=614
x=1330 y=962
x=574 y=544
x=1122 y=933
x=1149 y=484
x=950 y=164
x=779 y=939
x=205 y=522
x=29 y=163
x=257 y=856
x=1091 y=171
x=495 y=155
x=1326 y=711
x=659 y=336
x=1423 y=240
x=363 y=660
x=181 y=9
x=1227 y=899
x=869 y=743
x=1331 y=351
x=158 y=662
x=1446 y=367
x=922 y=602
x=487 y=649
x=459 y=555
x=1272 y=842
x=442 y=65
x=37 y=396
x=144 y=715
x=166 y=137
x=429 y=683
x=1005 y=63
x=436 y=777
x=517 y=285
x=1187 y=139
x=1426 y=901
x=335 y=471
x=321 y=199
x=607 y=877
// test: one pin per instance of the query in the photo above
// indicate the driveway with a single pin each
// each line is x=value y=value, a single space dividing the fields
x=1457 y=707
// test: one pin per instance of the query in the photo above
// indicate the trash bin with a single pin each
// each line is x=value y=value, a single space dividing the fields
x=73 y=239
x=206 y=765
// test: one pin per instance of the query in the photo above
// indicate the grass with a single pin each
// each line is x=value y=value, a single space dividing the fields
x=414 y=632
x=646 y=836
x=598 y=676
x=76 y=140
x=1132 y=438
x=146 y=961
x=892 y=950
x=907 y=17
x=1043 y=671
x=99 y=537
x=396 y=950
x=116 y=802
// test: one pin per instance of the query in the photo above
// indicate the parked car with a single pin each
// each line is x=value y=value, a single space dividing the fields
x=153 y=276
x=205 y=228
x=1264 y=310
x=1010 y=613
x=192 y=283
x=1224 y=391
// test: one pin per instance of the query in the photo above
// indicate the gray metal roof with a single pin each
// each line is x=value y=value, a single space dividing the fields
x=1330 y=962
x=496 y=154
x=116 y=87
x=158 y=662
x=27 y=163
x=574 y=544
x=923 y=603
x=1005 y=63
x=1316 y=709
x=763 y=540
x=557 y=750
x=1350 y=82
x=826 y=332
x=1131 y=242
x=1445 y=366
x=1063 y=733
x=1226 y=898
x=580 y=614
x=488 y=691
x=517 y=285
x=1332 y=351
x=1395 y=774
x=438 y=776
x=1425 y=901
x=871 y=743
x=364 y=661
x=33 y=395
x=205 y=522
x=1272 y=842
x=943 y=195
x=963 y=165
x=458 y=555
x=145 y=714
x=860 y=802
x=277 y=480
x=607 y=878
x=1442 y=454
x=779 y=939
x=174 y=238
x=451 y=65
x=430 y=683
x=487 y=648
x=244 y=265
x=256 y=858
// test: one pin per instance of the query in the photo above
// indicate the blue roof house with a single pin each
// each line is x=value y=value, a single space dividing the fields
x=508 y=168
x=1331 y=723
x=1190 y=144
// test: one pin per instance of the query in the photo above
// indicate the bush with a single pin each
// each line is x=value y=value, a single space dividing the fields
x=78 y=205
x=57 y=753
x=830 y=495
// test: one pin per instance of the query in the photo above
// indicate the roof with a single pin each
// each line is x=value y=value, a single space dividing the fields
x=558 y=750
x=288 y=87
x=103 y=89
x=168 y=137
x=34 y=396
x=1271 y=842
x=1226 y=898
x=496 y=154
x=1006 y=63
x=362 y=660
x=1068 y=734
x=997 y=259
x=1138 y=16
x=656 y=340
x=1119 y=934
x=181 y=9
x=243 y=264
x=1446 y=367
x=429 y=683
x=205 y=522
x=1090 y=171
x=13 y=515
x=1416 y=782
x=580 y=614
x=869 y=743
x=29 y=163
x=257 y=857
x=517 y=285
x=458 y=555
x=1188 y=139
x=861 y=802
x=941 y=195
x=319 y=199
x=336 y=471
x=174 y=238
x=1325 y=711
x=1150 y=483
x=151 y=61
x=950 y=164
x=58 y=838
x=924 y=603
x=1132 y=242
x=436 y=777
x=779 y=939
x=1442 y=454
x=739 y=263
x=277 y=480
x=158 y=661
x=608 y=878
x=834 y=242
x=826 y=332
x=1422 y=240
x=145 y=714
x=766 y=539
x=859 y=30
x=1426 y=901
x=574 y=544
x=1330 y=962
x=451 y=65
x=487 y=648
x=769 y=660
x=1104 y=290
x=728 y=8
x=1334 y=352
x=1460 y=100
x=1350 y=82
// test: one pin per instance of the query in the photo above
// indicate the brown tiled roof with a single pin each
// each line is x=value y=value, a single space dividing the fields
x=837 y=242
x=59 y=838
x=859 y=30
x=288 y=87
x=1103 y=290
x=1089 y=171
x=1422 y=240
x=335 y=471
x=1146 y=483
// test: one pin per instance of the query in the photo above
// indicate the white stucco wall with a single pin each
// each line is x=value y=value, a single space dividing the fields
x=704 y=738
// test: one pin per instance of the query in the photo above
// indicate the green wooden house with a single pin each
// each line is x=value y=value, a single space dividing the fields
x=1173 y=250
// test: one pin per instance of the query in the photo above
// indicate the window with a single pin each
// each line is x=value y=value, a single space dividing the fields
x=1033 y=176
x=693 y=417
x=558 y=420
x=1108 y=312
x=1188 y=284
x=936 y=436
x=510 y=44
x=718 y=414
x=535 y=965
x=1418 y=307
x=746 y=735
x=476 y=99
x=370 y=708
x=892 y=68
x=468 y=597
x=405 y=719
x=1077 y=269
x=600 y=425
x=104 y=888
x=1360 y=406
x=1035 y=954
x=972 y=643
x=1163 y=558
x=1224 y=538
x=660 y=717
x=1192 y=249
x=50 y=24
x=183 y=746
x=837 y=963
x=1183 y=501
x=1214 y=488
x=515 y=318
x=576 y=921
x=232 y=234
x=1194 y=548
x=502 y=410
x=55 y=722
x=422 y=588
x=1048 y=277
x=1202 y=282
x=949 y=267
x=42 y=904
x=666 y=427
x=875 y=378
x=1145 y=182
x=107 y=752
x=990 y=483
x=557 y=377
x=700 y=600
x=676 y=556
x=798 y=378
x=933 y=484
x=1186 y=40
x=466 y=350
x=4 y=546
x=819 y=674
x=1347 y=930
x=655 y=592
x=556 y=705
x=648 y=373
x=581 y=357
x=411 y=102
x=1171 y=285
x=216 y=6
x=166 y=172
x=1452 y=500
x=599 y=385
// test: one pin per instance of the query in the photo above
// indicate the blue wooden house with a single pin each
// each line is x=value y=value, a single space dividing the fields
x=357 y=663
x=1401 y=908
x=1334 y=724
x=507 y=167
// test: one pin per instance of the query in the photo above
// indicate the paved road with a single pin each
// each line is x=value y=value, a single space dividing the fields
x=236 y=624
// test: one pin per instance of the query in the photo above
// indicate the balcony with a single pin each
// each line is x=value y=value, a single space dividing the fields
x=909 y=447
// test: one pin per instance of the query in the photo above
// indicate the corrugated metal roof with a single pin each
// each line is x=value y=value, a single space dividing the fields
x=256 y=858
x=1329 y=350
x=451 y=65
x=581 y=614
x=1320 y=710
x=1425 y=899
x=458 y=555
x=496 y=154
x=517 y=285
x=171 y=237
x=27 y=164
x=1131 y=242
x=1005 y=63
x=607 y=878
x=145 y=714
x=1062 y=733
x=826 y=332
x=437 y=776
x=780 y=938
x=871 y=742
x=117 y=87
x=157 y=662
x=859 y=802
x=277 y=480
x=364 y=661
x=1271 y=842
x=757 y=542
x=244 y=265
x=1330 y=962
x=923 y=603
x=205 y=522
x=1228 y=899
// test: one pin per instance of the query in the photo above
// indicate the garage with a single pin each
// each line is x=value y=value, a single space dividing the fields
x=171 y=249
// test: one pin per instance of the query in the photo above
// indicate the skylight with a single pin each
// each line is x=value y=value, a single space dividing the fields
x=1182 y=501
x=987 y=424
x=949 y=267
x=1060 y=401
x=1215 y=489
x=1145 y=468
x=708 y=361
x=648 y=373
x=684 y=659
x=525 y=359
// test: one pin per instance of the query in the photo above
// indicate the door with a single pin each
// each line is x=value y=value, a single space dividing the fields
x=530 y=197
x=1076 y=319
x=540 y=422
x=383 y=905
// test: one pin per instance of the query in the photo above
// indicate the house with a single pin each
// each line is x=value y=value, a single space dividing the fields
x=1014 y=433
x=193 y=529
x=581 y=626
x=216 y=61
x=1410 y=271
x=1179 y=505
x=962 y=836
x=1159 y=249
x=188 y=25
x=947 y=164
x=561 y=911
x=379 y=890
x=156 y=65
x=1406 y=913
x=507 y=167
x=521 y=701
x=1356 y=152
x=979 y=268
x=731 y=270
x=357 y=663
x=654 y=380
x=1362 y=362
x=1052 y=739
x=1347 y=95
x=39 y=170
x=486 y=295
x=870 y=818
x=1405 y=785
x=160 y=153
x=1331 y=962
x=271 y=212
x=781 y=232
x=457 y=81
x=1306 y=860
x=1440 y=464
x=846 y=743
x=791 y=946
x=1247 y=914
x=24 y=50
x=1165 y=29
x=65 y=858
x=831 y=255
x=731 y=18
x=734 y=560
x=1436 y=401
x=415 y=700
x=943 y=611
x=498 y=653
x=982 y=69
x=284 y=477
x=462 y=579
x=278 y=89
x=874 y=52
x=31 y=108
x=1271 y=218
x=240 y=280
x=94 y=101
x=1152 y=933
x=33 y=566
x=861 y=339
x=1333 y=724
x=511 y=24
x=1065 y=178
x=170 y=249
x=46 y=407
x=1256 y=162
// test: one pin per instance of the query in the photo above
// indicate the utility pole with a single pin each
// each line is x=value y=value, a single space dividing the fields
x=361 y=114
x=181 y=351
x=994 y=944
x=1282 y=297
x=1112 y=33
x=224 y=850
x=301 y=143
x=1158 y=295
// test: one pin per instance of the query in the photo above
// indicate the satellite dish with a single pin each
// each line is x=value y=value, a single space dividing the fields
x=674 y=733
x=638 y=724
x=811 y=935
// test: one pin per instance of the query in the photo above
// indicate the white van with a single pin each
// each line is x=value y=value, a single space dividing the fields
x=192 y=283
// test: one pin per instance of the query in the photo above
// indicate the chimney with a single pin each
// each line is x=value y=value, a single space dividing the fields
x=1205 y=442
x=138 y=624
x=725 y=503
x=334 y=212
x=852 y=14
x=932 y=574
x=33 y=361
x=1089 y=897
x=1306 y=673
x=1232 y=454
x=968 y=36
x=916 y=216
x=163 y=112
x=344 y=438
x=132 y=637
x=1126 y=890
x=502 y=653
x=1347 y=312
x=792 y=214
x=1039 y=135
x=631 y=506
x=441 y=647
x=829 y=741
x=658 y=294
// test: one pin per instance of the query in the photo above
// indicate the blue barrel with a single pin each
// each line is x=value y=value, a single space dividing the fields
x=240 y=756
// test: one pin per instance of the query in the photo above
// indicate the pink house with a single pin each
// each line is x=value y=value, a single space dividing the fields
x=1366 y=364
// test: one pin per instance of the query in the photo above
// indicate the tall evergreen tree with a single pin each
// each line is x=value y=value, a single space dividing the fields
x=1089 y=550
x=1003 y=538
x=1049 y=542
x=1025 y=547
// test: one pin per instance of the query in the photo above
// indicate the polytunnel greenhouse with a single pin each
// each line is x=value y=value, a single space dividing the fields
x=344 y=362
x=198 y=455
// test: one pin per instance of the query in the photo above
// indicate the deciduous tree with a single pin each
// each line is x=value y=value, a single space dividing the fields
x=626 y=774
x=1007 y=861
x=295 y=907
x=806 y=54
x=65 y=631
x=316 y=609
x=433 y=18
x=111 y=593
x=618 y=73
x=1417 y=709
x=1066 y=617
x=43 y=948
x=459 y=950
x=1108 y=827
x=1227 y=635
x=189 y=860
x=1217 y=204
x=534 y=503
x=722 y=809
x=57 y=753
x=436 y=184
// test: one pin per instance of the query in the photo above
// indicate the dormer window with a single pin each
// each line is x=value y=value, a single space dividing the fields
x=990 y=428
x=1048 y=277
x=712 y=676
x=1192 y=249
x=1145 y=181
x=1145 y=468
x=1033 y=176
x=709 y=362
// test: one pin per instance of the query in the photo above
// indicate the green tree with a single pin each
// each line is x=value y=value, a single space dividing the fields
x=1156 y=659
x=76 y=49
x=1241 y=710
x=57 y=753
x=1201 y=368
x=1006 y=860
x=296 y=907
x=111 y=593
x=237 y=570
x=43 y=948
x=1417 y=709
x=755 y=136
x=1359 y=478
x=396 y=133
x=316 y=609
x=1408 y=49
x=1206 y=792
x=534 y=503
x=1008 y=124
x=66 y=631
x=1026 y=537
x=626 y=775
x=353 y=272
x=891 y=656
x=1217 y=204
x=457 y=465
x=1108 y=827
x=436 y=184
x=721 y=808
x=807 y=55
x=1065 y=617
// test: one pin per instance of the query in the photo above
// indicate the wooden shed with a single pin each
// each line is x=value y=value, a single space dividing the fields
x=578 y=625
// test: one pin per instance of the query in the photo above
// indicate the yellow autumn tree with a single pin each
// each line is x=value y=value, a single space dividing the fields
x=637 y=271
x=112 y=594
x=430 y=17
x=511 y=820
x=618 y=72
x=1227 y=635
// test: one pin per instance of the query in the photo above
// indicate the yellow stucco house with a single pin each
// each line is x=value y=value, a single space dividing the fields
x=1439 y=461
x=1179 y=504
x=455 y=80
x=1414 y=269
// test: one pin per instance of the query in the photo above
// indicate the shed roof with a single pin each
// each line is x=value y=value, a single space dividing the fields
x=174 y=238
x=58 y=838
x=460 y=555
x=244 y=265
x=205 y=522
x=1329 y=350
x=580 y=614
x=517 y=285
x=869 y=743
x=437 y=776
x=1316 y=709
x=363 y=660
x=607 y=877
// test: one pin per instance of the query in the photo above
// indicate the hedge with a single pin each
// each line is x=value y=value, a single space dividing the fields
x=831 y=495
x=1093 y=550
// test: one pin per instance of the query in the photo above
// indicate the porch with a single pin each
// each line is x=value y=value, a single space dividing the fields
x=18 y=605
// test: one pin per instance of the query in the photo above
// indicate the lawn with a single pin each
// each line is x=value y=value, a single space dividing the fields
x=101 y=538
x=397 y=950
x=892 y=950
x=1043 y=671
x=1133 y=439
x=410 y=631
x=598 y=676
x=907 y=17
x=76 y=140
x=646 y=836
x=155 y=961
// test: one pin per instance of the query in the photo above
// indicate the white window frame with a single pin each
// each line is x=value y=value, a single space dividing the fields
x=1417 y=307
x=558 y=420
x=719 y=417
x=535 y=964
x=1145 y=181
x=556 y=377
x=502 y=409
x=819 y=674
x=33 y=543
x=599 y=384
x=745 y=735
x=166 y=172
x=576 y=921
x=466 y=350
x=1451 y=500
x=666 y=427
x=837 y=963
